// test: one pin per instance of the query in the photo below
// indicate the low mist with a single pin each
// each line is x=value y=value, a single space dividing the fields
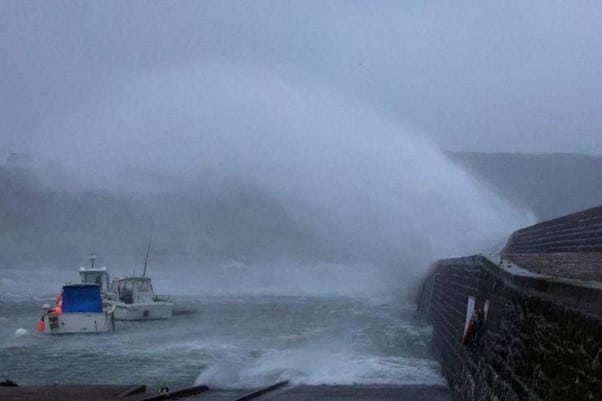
x=254 y=180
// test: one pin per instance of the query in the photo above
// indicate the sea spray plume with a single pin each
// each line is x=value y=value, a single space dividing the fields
x=366 y=189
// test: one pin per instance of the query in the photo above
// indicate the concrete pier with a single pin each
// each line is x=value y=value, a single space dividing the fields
x=286 y=393
x=538 y=335
x=67 y=392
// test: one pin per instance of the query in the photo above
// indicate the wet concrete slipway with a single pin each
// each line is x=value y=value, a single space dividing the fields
x=281 y=391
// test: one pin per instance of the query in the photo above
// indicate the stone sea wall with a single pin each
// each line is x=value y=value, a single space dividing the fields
x=578 y=232
x=541 y=340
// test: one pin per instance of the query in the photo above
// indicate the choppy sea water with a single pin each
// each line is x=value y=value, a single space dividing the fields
x=232 y=341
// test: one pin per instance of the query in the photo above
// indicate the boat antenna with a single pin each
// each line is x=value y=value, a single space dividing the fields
x=92 y=259
x=148 y=251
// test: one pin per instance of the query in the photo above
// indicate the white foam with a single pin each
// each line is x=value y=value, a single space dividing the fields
x=21 y=332
x=322 y=366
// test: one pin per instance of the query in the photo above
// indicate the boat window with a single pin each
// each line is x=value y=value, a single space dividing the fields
x=126 y=292
x=114 y=287
x=99 y=278
x=89 y=277
x=143 y=286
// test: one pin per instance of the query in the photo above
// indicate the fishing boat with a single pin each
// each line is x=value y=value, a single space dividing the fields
x=135 y=300
x=133 y=296
x=80 y=308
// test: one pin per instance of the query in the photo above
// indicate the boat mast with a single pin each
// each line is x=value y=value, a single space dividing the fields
x=147 y=253
x=92 y=259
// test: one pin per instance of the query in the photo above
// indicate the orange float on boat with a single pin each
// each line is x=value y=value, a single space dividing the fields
x=55 y=310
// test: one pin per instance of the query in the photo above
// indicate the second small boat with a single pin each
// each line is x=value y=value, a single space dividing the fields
x=133 y=296
x=135 y=299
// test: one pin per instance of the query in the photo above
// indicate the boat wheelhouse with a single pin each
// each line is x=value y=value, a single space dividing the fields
x=135 y=300
x=95 y=275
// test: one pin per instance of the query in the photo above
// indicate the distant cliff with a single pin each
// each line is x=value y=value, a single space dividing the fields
x=549 y=185
x=43 y=222
x=40 y=223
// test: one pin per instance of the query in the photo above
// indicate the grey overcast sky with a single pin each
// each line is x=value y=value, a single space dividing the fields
x=516 y=76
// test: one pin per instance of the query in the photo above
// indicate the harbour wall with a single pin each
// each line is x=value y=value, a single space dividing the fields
x=579 y=232
x=541 y=338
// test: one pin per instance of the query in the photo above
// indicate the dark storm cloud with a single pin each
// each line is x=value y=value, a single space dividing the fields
x=510 y=76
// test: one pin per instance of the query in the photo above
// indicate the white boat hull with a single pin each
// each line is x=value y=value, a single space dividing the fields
x=143 y=311
x=79 y=322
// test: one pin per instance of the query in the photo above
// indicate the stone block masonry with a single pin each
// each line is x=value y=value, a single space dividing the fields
x=578 y=232
x=541 y=340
